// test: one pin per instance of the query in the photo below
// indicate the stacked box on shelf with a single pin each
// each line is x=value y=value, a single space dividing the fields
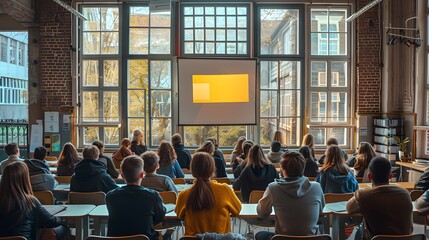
x=384 y=130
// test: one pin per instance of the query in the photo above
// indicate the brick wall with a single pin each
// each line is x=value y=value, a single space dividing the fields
x=368 y=60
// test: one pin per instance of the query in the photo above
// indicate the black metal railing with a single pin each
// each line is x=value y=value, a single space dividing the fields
x=16 y=131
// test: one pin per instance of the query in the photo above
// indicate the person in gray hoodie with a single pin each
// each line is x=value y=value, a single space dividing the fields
x=41 y=177
x=275 y=153
x=297 y=202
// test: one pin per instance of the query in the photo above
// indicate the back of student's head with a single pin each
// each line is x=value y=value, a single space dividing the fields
x=136 y=134
x=203 y=169
x=238 y=150
x=90 y=152
x=293 y=163
x=11 y=149
x=247 y=145
x=276 y=146
x=131 y=168
x=257 y=157
x=207 y=147
x=380 y=168
x=125 y=142
x=214 y=141
x=332 y=141
x=40 y=153
x=335 y=160
x=68 y=154
x=150 y=159
x=176 y=139
x=98 y=144
x=308 y=140
x=167 y=154
x=306 y=152
x=365 y=154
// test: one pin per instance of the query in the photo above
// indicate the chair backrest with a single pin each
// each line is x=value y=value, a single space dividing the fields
x=222 y=180
x=45 y=197
x=179 y=180
x=311 y=179
x=95 y=198
x=63 y=179
x=51 y=158
x=400 y=237
x=13 y=238
x=133 y=237
x=255 y=195
x=337 y=197
x=189 y=238
x=168 y=197
x=416 y=194
x=289 y=237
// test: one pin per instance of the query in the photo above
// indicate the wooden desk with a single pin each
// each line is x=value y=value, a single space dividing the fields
x=407 y=185
x=418 y=170
x=413 y=166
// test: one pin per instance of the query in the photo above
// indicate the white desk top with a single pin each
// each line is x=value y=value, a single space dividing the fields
x=73 y=210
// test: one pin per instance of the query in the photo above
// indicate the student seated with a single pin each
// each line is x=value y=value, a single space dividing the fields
x=90 y=174
x=157 y=182
x=111 y=169
x=217 y=153
x=238 y=150
x=137 y=144
x=311 y=167
x=183 y=155
x=40 y=175
x=12 y=152
x=207 y=206
x=67 y=160
x=21 y=214
x=335 y=176
x=133 y=209
x=362 y=160
x=386 y=209
x=297 y=202
x=275 y=153
x=332 y=141
x=209 y=147
x=422 y=203
x=168 y=163
x=123 y=152
x=241 y=161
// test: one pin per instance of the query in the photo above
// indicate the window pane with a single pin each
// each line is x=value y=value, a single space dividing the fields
x=138 y=74
x=279 y=31
x=93 y=16
x=188 y=10
x=109 y=42
x=160 y=19
x=139 y=40
x=160 y=41
x=195 y=136
x=319 y=44
x=111 y=136
x=111 y=73
x=318 y=106
x=136 y=103
x=189 y=47
x=161 y=103
x=137 y=123
x=90 y=106
x=90 y=134
x=339 y=74
x=228 y=135
x=338 y=107
x=290 y=127
x=338 y=18
x=337 y=44
x=110 y=19
x=111 y=106
x=90 y=73
x=340 y=134
x=91 y=43
x=139 y=16
x=290 y=75
x=289 y=103
x=267 y=129
x=161 y=130
x=319 y=73
x=268 y=103
x=189 y=35
x=269 y=73
x=210 y=35
x=319 y=136
x=318 y=18
x=160 y=74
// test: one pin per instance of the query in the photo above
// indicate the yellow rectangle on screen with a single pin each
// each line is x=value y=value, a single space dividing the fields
x=220 y=88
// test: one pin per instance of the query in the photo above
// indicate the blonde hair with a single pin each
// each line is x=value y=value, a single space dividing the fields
x=136 y=132
x=207 y=147
x=308 y=140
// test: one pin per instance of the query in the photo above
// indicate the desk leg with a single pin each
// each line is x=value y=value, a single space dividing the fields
x=85 y=227
x=338 y=227
x=97 y=224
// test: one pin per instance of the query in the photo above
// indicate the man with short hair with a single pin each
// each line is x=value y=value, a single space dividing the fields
x=40 y=175
x=297 y=202
x=90 y=174
x=111 y=169
x=134 y=209
x=152 y=180
x=183 y=155
x=386 y=209
x=12 y=151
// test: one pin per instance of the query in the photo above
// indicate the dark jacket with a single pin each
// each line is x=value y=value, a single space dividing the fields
x=134 y=210
x=111 y=169
x=91 y=176
x=138 y=149
x=40 y=175
x=334 y=182
x=38 y=217
x=183 y=156
x=218 y=153
x=423 y=183
x=255 y=179
x=311 y=168
x=66 y=170
x=220 y=166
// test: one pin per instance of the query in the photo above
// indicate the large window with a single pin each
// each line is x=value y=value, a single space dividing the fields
x=3 y=48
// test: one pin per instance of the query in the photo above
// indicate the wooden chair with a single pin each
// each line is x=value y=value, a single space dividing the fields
x=289 y=237
x=51 y=158
x=95 y=198
x=133 y=237
x=400 y=237
x=63 y=179
x=337 y=197
x=229 y=171
x=186 y=171
x=223 y=180
x=253 y=223
x=13 y=238
x=418 y=218
x=312 y=179
x=187 y=237
x=45 y=197
x=255 y=196
x=179 y=180
x=168 y=197
x=416 y=194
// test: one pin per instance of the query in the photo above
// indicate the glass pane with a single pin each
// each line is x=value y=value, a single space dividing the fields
x=90 y=134
x=199 y=22
x=290 y=127
x=111 y=73
x=161 y=103
x=231 y=22
x=279 y=31
x=228 y=135
x=159 y=41
x=220 y=11
x=231 y=48
x=210 y=48
x=230 y=11
x=93 y=16
x=136 y=103
x=111 y=136
x=290 y=75
x=111 y=106
x=188 y=10
x=90 y=73
x=91 y=43
x=242 y=35
x=339 y=74
x=196 y=136
x=199 y=10
x=241 y=11
x=319 y=136
x=338 y=109
x=161 y=130
x=210 y=35
x=241 y=48
x=138 y=74
x=340 y=134
x=242 y=22
x=209 y=10
x=318 y=106
x=199 y=47
x=220 y=21
x=427 y=107
x=189 y=47
x=189 y=35
x=268 y=104
x=319 y=44
x=136 y=123
x=160 y=74
x=220 y=48
x=210 y=22
x=109 y=42
x=160 y=19
x=338 y=18
x=337 y=44
x=269 y=74
x=109 y=19
x=319 y=73
x=319 y=20
x=220 y=35
x=199 y=34
x=289 y=103
x=139 y=40
x=231 y=35
x=267 y=129
x=189 y=22
x=139 y=16
x=90 y=106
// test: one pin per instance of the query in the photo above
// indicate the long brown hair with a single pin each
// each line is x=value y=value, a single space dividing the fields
x=69 y=155
x=166 y=153
x=246 y=146
x=16 y=189
x=256 y=157
x=201 y=194
x=207 y=147
x=308 y=140
x=335 y=160
x=278 y=136
x=238 y=149
x=365 y=154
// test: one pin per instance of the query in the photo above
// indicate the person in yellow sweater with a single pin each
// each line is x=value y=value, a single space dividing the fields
x=207 y=206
